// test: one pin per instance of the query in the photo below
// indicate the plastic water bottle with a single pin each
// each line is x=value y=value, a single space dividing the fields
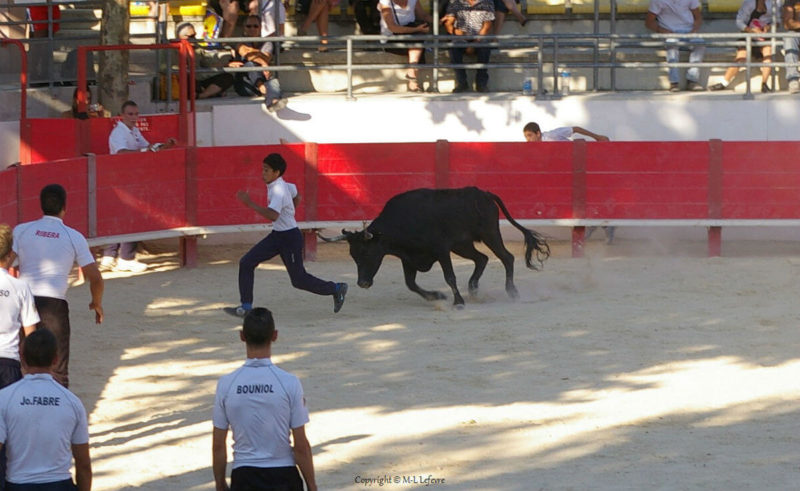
x=565 y=78
x=527 y=85
x=527 y=82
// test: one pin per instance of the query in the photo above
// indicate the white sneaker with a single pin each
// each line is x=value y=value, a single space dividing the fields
x=794 y=86
x=107 y=263
x=131 y=265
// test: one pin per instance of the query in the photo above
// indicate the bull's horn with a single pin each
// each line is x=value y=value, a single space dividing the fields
x=367 y=235
x=331 y=239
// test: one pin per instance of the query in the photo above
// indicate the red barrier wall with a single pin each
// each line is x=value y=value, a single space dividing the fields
x=604 y=180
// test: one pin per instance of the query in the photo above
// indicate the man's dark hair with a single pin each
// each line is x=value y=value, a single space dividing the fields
x=53 y=199
x=275 y=161
x=39 y=349
x=6 y=240
x=180 y=27
x=532 y=127
x=127 y=104
x=258 y=327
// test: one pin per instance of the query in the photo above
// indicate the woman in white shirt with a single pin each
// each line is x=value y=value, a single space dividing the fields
x=406 y=17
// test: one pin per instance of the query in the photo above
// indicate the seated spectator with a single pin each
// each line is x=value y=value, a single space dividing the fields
x=92 y=110
x=679 y=17
x=318 y=12
x=791 y=22
x=206 y=85
x=254 y=54
x=754 y=16
x=469 y=18
x=400 y=17
x=501 y=8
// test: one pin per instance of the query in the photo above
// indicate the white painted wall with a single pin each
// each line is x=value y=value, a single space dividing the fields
x=627 y=116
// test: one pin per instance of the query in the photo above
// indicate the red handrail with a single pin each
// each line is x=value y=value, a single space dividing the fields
x=24 y=125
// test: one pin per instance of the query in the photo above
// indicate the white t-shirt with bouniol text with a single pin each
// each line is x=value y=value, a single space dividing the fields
x=261 y=403
x=47 y=249
x=16 y=310
x=280 y=194
x=40 y=420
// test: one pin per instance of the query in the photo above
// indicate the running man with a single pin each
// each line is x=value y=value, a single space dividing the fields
x=285 y=239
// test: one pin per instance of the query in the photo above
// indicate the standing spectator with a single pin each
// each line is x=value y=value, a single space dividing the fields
x=406 y=17
x=261 y=404
x=791 y=22
x=753 y=16
x=43 y=426
x=679 y=17
x=470 y=18
x=38 y=16
x=126 y=138
x=47 y=249
x=533 y=133
x=254 y=54
x=285 y=240
x=209 y=85
x=17 y=311
x=318 y=12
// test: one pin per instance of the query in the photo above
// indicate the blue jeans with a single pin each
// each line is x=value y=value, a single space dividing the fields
x=790 y=49
x=273 y=89
x=289 y=244
x=697 y=48
x=482 y=75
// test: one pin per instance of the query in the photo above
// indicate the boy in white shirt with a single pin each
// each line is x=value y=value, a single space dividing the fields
x=285 y=239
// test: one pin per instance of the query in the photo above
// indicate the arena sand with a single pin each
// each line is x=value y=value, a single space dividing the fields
x=621 y=370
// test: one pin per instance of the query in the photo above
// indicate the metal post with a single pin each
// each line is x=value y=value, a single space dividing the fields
x=350 y=69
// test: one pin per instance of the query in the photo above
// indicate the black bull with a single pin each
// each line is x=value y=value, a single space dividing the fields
x=425 y=225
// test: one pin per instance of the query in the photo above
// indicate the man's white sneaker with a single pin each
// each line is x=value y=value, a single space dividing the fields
x=794 y=86
x=131 y=265
x=107 y=263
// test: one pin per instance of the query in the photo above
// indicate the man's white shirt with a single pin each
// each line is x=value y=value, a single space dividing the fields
x=124 y=138
x=16 y=310
x=47 y=249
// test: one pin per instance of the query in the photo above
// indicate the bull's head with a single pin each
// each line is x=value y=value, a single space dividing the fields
x=366 y=250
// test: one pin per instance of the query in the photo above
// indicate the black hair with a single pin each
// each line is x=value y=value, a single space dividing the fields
x=127 y=104
x=532 y=127
x=276 y=162
x=39 y=349
x=258 y=327
x=180 y=27
x=53 y=199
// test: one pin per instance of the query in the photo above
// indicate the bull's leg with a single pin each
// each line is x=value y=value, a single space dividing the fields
x=469 y=251
x=495 y=244
x=450 y=278
x=410 y=273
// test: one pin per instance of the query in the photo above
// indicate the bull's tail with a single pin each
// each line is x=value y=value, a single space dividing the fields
x=534 y=241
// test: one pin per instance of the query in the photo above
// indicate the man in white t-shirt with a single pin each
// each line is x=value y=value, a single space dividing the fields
x=17 y=311
x=679 y=17
x=126 y=138
x=47 y=249
x=262 y=404
x=533 y=133
x=285 y=239
x=43 y=426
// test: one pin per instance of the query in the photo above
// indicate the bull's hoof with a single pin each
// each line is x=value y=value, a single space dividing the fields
x=459 y=306
x=512 y=292
x=431 y=296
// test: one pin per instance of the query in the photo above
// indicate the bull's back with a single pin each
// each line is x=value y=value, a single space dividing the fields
x=436 y=215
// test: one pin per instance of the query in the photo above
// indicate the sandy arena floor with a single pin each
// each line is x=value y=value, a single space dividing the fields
x=622 y=370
